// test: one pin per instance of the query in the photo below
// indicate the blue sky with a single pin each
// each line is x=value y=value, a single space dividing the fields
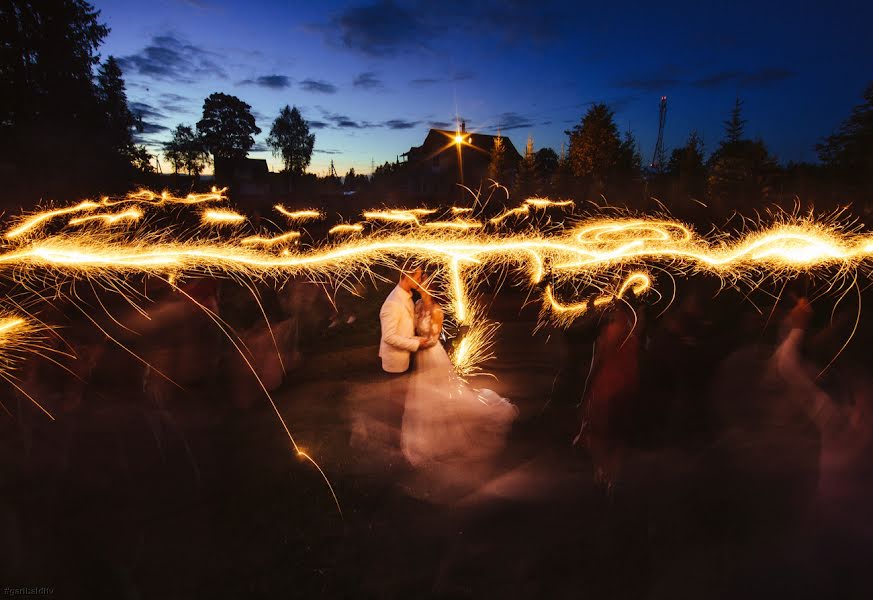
x=373 y=76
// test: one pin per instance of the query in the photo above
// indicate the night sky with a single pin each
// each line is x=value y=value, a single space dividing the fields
x=372 y=77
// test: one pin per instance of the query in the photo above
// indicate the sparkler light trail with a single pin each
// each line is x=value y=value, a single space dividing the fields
x=298 y=215
x=270 y=241
x=131 y=214
x=576 y=255
x=343 y=228
x=222 y=217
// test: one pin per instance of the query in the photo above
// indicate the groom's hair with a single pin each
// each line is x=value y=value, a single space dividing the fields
x=411 y=266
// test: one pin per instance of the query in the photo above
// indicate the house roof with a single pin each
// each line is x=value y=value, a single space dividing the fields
x=442 y=138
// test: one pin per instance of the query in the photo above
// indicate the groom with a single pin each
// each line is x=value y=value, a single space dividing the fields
x=397 y=318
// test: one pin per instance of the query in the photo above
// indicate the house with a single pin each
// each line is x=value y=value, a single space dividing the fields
x=250 y=183
x=448 y=158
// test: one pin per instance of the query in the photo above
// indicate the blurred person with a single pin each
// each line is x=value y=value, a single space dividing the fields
x=612 y=387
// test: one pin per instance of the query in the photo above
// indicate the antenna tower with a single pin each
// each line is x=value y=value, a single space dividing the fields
x=658 y=158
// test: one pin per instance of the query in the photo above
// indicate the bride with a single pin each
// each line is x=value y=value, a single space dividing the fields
x=446 y=423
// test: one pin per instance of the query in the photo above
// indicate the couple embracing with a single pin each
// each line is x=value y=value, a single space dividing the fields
x=445 y=421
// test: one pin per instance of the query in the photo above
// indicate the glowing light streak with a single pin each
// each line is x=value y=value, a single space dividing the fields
x=521 y=210
x=298 y=215
x=131 y=214
x=456 y=224
x=546 y=203
x=258 y=240
x=38 y=219
x=221 y=217
x=345 y=228
x=390 y=215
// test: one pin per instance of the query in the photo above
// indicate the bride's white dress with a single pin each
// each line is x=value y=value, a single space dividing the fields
x=445 y=421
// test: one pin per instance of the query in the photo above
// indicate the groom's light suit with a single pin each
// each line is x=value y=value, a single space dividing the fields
x=397 y=318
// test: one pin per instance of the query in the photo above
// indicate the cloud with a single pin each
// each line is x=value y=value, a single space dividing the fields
x=259 y=147
x=150 y=129
x=512 y=120
x=671 y=77
x=273 y=82
x=440 y=124
x=173 y=103
x=381 y=28
x=400 y=124
x=171 y=58
x=341 y=121
x=748 y=79
x=368 y=81
x=145 y=111
x=426 y=81
x=317 y=124
x=327 y=151
x=763 y=77
x=318 y=86
x=655 y=85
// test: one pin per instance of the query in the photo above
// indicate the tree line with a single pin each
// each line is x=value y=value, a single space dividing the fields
x=67 y=129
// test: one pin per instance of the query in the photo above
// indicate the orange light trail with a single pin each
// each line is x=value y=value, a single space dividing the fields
x=298 y=215
x=217 y=216
x=131 y=214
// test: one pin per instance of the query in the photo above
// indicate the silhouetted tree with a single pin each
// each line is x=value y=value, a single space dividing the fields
x=48 y=100
x=687 y=166
x=227 y=126
x=740 y=170
x=290 y=139
x=141 y=159
x=185 y=151
x=547 y=163
x=562 y=181
x=736 y=124
x=497 y=169
x=352 y=181
x=119 y=122
x=849 y=151
x=594 y=145
x=628 y=162
x=526 y=177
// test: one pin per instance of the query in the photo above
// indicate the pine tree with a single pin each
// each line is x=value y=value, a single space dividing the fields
x=594 y=145
x=740 y=170
x=563 y=181
x=849 y=151
x=119 y=122
x=736 y=124
x=497 y=166
x=526 y=179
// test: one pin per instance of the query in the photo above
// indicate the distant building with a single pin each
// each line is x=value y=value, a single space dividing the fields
x=250 y=183
x=434 y=170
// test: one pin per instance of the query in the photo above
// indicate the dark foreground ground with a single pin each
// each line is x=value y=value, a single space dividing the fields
x=204 y=500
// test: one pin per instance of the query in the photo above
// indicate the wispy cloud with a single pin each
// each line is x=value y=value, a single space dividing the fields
x=318 y=86
x=273 y=82
x=744 y=79
x=169 y=57
x=368 y=81
x=400 y=124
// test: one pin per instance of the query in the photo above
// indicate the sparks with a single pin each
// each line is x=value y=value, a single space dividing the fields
x=131 y=214
x=298 y=215
x=221 y=217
